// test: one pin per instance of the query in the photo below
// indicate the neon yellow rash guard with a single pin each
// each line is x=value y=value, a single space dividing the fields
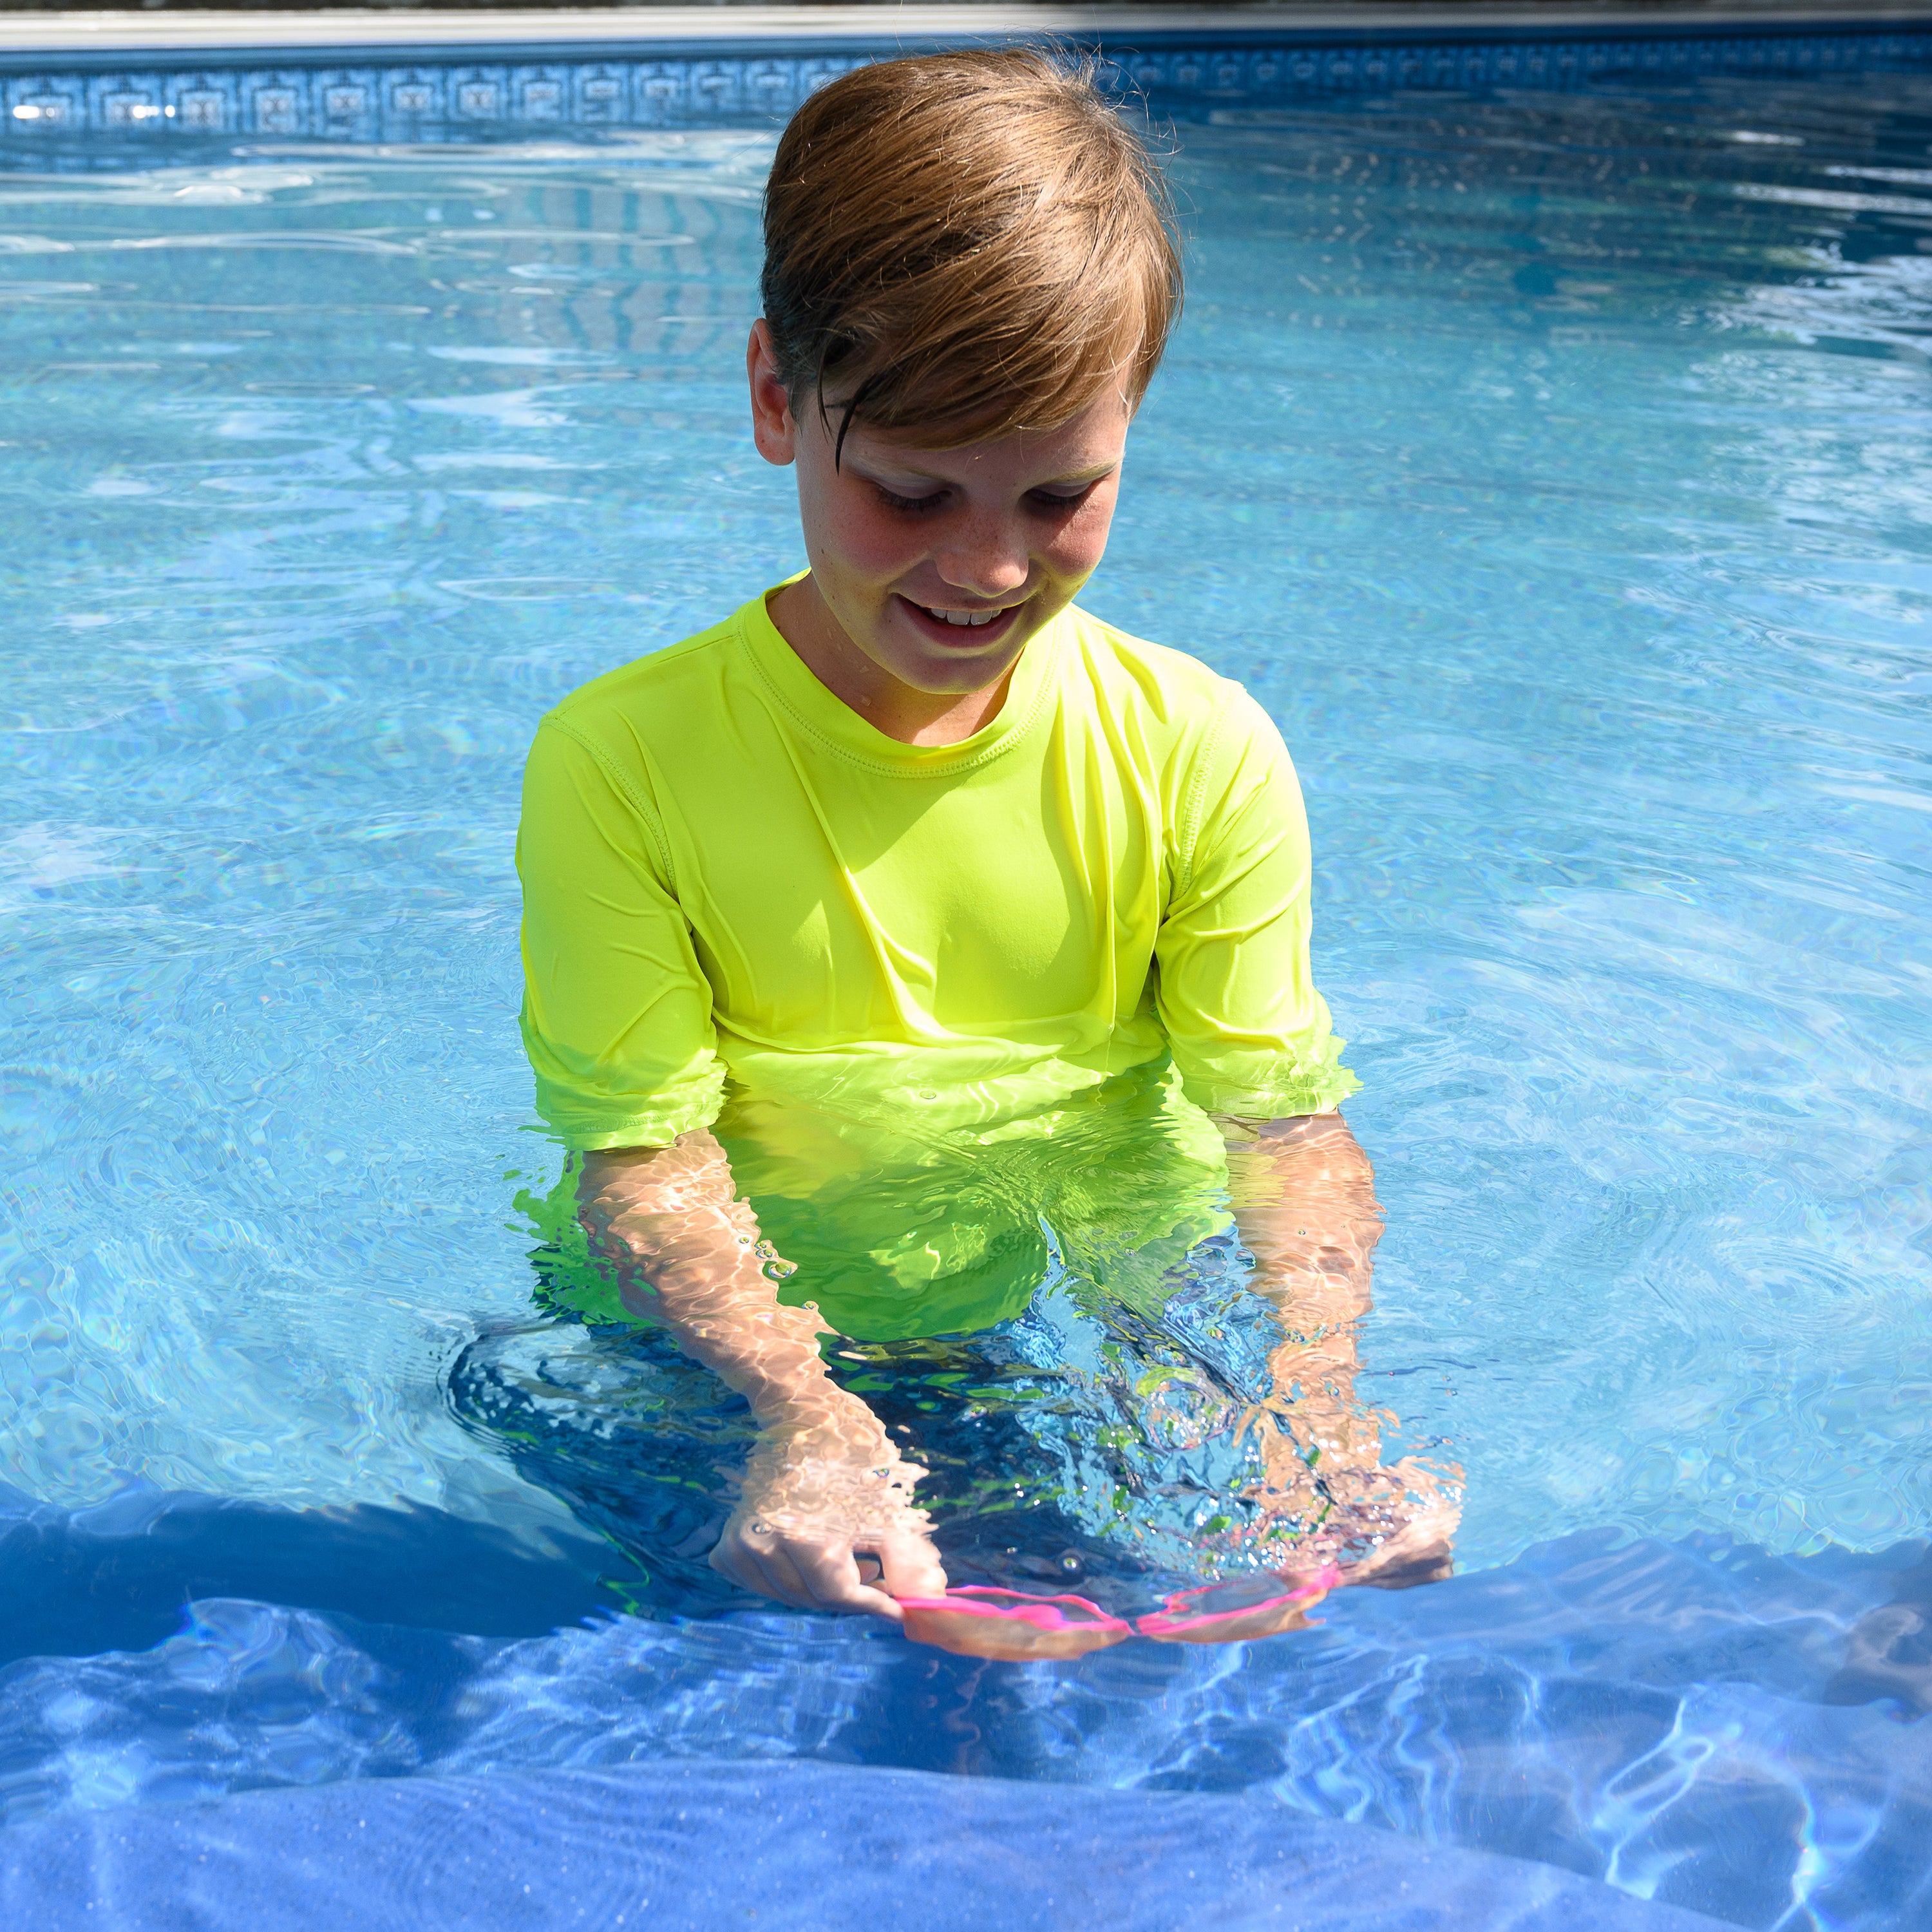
x=883 y=972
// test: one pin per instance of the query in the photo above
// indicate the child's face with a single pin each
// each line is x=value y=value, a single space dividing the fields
x=899 y=538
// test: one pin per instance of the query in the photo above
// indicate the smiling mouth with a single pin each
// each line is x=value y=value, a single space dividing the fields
x=971 y=619
x=962 y=627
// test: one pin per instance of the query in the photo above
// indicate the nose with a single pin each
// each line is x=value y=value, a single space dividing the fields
x=985 y=558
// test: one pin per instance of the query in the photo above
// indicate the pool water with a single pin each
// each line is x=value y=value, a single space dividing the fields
x=1554 y=470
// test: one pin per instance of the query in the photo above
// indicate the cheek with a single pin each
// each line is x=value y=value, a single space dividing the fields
x=864 y=538
x=1074 y=550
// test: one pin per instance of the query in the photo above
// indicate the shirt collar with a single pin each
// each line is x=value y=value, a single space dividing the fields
x=833 y=723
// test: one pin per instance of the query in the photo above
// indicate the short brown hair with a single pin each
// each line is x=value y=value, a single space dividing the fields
x=966 y=244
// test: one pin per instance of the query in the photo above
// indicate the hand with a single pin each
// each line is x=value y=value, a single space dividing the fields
x=823 y=1495
x=826 y=1488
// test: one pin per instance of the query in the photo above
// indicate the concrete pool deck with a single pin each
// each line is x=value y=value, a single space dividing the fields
x=175 y=33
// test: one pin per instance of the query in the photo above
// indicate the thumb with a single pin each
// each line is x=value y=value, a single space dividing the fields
x=911 y=1566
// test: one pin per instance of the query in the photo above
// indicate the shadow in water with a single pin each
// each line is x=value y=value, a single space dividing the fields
x=1889 y=1651
x=120 y=1576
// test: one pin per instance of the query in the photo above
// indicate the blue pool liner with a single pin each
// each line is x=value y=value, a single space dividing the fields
x=444 y=92
x=214 y=1713
x=701 y=1845
x=118 y=1576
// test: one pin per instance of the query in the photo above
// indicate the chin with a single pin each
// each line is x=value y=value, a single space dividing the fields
x=950 y=680
x=947 y=672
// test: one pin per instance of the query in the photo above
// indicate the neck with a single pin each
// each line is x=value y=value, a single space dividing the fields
x=897 y=710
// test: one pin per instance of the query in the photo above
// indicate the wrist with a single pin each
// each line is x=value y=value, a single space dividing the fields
x=800 y=1408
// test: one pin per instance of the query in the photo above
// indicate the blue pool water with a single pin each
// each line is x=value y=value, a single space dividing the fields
x=1553 y=468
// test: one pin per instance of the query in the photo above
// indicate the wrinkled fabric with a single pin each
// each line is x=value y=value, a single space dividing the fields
x=730 y=875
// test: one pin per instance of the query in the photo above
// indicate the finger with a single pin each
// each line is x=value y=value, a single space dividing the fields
x=831 y=1572
x=782 y=1578
x=804 y=1574
x=910 y=1567
x=866 y=1601
x=735 y=1564
x=758 y=1567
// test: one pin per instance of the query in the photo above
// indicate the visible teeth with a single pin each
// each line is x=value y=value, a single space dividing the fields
x=971 y=619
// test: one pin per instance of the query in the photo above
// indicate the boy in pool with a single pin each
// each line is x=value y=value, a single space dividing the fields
x=874 y=899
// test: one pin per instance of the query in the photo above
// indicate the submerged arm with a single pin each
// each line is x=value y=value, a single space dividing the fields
x=825 y=1483
x=1303 y=1196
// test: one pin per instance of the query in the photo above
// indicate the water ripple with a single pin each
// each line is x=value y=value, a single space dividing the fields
x=1551 y=468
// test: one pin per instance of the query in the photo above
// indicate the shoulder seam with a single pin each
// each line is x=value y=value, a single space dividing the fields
x=645 y=810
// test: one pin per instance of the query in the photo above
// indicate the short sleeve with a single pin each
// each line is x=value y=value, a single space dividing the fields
x=617 y=1016
x=1248 y=1033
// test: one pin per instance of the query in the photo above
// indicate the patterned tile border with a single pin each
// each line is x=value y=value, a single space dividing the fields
x=453 y=95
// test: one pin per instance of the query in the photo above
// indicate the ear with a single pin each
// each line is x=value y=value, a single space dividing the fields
x=773 y=427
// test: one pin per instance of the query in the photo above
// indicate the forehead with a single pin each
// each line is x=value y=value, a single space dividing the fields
x=1091 y=440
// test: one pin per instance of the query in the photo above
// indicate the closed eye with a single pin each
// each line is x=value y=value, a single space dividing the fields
x=1049 y=503
x=1053 y=500
x=910 y=506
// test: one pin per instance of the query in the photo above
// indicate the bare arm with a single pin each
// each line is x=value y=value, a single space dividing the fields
x=825 y=1484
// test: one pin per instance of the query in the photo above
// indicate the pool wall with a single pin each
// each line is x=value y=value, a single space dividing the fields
x=413 y=81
